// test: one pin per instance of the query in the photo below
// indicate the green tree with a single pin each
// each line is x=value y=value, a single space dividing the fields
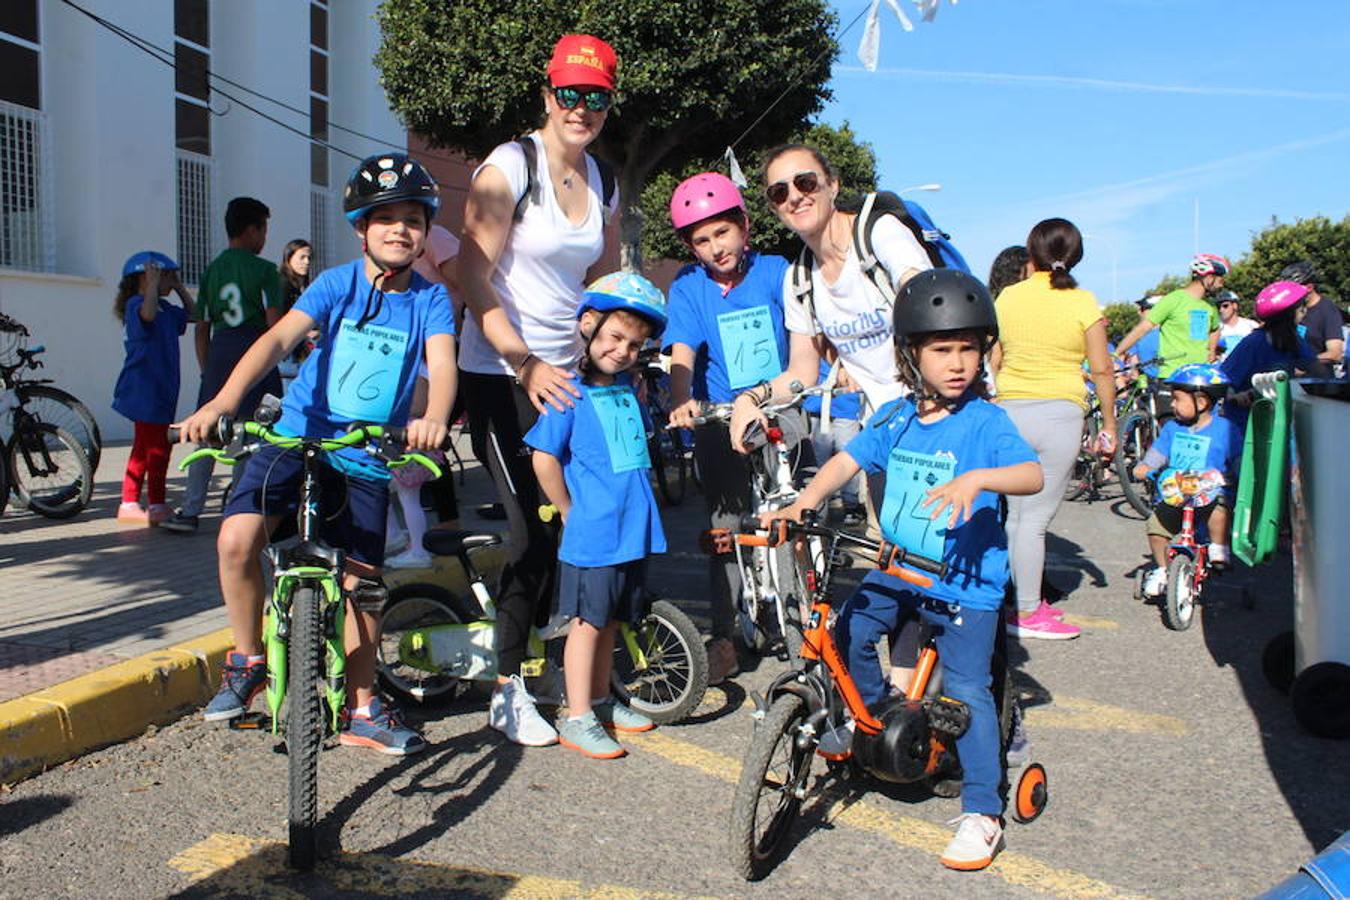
x=693 y=76
x=1167 y=284
x=854 y=160
x=1120 y=318
x=1324 y=242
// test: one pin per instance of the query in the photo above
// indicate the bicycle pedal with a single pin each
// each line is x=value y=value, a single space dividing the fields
x=251 y=721
x=716 y=542
x=948 y=716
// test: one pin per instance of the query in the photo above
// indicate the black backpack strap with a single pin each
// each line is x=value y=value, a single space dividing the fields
x=803 y=289
x=531 y=194
x=608 y=183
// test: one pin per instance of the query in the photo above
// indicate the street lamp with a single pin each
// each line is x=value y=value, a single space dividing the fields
x=921 y=187
x=1115 y=268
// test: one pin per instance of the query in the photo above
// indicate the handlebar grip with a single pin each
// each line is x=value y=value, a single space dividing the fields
x=912 y=577
x=34 y=351
x=399 y=435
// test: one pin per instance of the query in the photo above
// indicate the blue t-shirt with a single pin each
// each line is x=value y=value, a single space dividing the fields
x=915 y=458
x=1187 y=448
x=147 y=388
x=739 y=340
x=602 y=446
x=1253 y=355
x=366 y=375
x=842 y=406
x=1148 y=347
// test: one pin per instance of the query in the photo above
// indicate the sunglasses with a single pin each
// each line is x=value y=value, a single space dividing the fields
x=571 y=98
x=805 y=182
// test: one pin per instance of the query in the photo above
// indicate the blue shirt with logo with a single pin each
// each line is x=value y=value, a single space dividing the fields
x=601 y=443
x=364 y=375
x=1187 y=448
x=917 y=457
x=739 y=339
x=147 y=387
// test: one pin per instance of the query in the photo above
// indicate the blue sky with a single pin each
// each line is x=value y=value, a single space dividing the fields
x=1117 y=114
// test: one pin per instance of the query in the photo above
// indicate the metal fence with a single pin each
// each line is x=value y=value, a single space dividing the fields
x=196 y=214
x=321 y=229
x=27 y=238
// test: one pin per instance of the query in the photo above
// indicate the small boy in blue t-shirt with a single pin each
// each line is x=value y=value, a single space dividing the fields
x=1198 y=450
x=592 y=462
x=380 y=321
x=947 y=455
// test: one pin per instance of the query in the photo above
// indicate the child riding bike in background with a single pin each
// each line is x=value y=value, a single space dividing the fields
x=379 y=320
x=1196 y=444
x=592 y=462
x=726 y=334
x=946 y=455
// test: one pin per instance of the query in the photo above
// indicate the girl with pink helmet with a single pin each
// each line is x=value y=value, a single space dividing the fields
x=1276 y=345
x=726 y=334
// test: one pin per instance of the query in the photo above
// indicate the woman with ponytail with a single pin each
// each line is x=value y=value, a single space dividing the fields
x=1047 y=327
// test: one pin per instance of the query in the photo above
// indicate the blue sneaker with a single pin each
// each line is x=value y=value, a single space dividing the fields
x=239 y=684
x=587 y=735
x=381 y=730
x=613 y=714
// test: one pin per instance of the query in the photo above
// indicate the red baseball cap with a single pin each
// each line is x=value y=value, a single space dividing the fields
x=582 y=59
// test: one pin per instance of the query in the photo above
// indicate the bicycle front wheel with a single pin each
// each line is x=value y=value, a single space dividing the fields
x=771 y=789
x=49 y=471
x=62 y=409
x=304 y=726
x=1134 y=437
x=673 y=676
x=791 y=576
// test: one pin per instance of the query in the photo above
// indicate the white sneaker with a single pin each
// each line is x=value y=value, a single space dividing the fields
x=1155 y=582
x=1218 y=554
x=513 y=713
x=412 y=558
x=978 y=838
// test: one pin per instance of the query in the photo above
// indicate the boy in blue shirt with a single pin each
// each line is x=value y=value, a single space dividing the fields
x=726 y=334
x=1196 y=443
x=380 y=321
x=591 y=461
x=947 y=455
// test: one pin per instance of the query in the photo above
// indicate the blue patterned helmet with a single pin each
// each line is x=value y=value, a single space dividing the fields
x=629 y=291
x=137 y=262
x=1200 y=377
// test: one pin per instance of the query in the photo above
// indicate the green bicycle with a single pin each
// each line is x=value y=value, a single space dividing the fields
x=306 y=612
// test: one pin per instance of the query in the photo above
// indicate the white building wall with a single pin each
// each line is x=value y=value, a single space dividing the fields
x=111 y=125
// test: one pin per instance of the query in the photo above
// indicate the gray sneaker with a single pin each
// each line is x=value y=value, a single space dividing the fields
x=587 y=735
x=180 y=523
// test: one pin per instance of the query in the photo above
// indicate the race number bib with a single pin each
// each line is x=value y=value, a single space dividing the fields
x=363 y=376
x=621 y=421
x=1189 y=451
x=1199 y=320
x=749 y=345
x=904 y=519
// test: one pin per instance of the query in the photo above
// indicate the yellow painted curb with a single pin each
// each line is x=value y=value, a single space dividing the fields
x=115 y=703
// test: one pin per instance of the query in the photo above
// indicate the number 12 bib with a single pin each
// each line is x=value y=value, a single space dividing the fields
x=621 y=421
x=749 y=346
x=904 y=519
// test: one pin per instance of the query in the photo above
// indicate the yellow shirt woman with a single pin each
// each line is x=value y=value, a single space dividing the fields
x=1042 y=331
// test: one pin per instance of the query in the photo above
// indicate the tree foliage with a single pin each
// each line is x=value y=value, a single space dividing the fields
x=1167 y=284
x=1324 y=242
x=854 y=160
x=1120 y=318
x=693 y=75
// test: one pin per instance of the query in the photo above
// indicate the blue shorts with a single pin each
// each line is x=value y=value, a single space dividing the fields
x=599 y=595
x=355 y=510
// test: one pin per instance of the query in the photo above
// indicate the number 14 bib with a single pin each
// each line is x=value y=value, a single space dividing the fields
x=621 y=421
x=904 y=519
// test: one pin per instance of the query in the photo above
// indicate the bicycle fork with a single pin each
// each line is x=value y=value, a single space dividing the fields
x=276 y=639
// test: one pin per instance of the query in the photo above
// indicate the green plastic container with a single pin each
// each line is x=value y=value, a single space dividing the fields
x=1264 y=481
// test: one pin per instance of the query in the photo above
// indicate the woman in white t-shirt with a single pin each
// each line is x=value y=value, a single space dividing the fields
x=528 y=242
x=852 y=315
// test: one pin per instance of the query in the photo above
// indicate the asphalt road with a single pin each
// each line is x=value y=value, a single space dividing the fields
x=1175 y=771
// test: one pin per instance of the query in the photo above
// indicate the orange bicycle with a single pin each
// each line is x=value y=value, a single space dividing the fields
x=905 y=739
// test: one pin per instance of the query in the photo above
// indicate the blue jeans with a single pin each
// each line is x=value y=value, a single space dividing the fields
x=965 y=646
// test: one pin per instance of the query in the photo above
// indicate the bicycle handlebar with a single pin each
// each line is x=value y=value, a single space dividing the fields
x=721 y=412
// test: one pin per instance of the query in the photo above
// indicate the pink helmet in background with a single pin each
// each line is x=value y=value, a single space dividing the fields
x=703 y=196
x=1209 y=264
x=1279 y=296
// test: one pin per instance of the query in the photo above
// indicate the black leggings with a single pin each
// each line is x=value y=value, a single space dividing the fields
x=499 y=416
x=441 y=492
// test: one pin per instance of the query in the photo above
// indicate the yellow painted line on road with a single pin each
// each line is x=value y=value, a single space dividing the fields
x=233 y=865
x=906 y=831
x=1093 y=622
x=1078 y=714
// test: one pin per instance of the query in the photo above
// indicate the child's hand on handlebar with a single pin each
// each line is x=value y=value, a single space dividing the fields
x=743 y=412
x=959 y=495
x=792 y=513
x=426 y=434
x=683 y=416
x=200 y=427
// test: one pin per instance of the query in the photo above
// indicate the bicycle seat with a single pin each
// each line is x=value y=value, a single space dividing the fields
x=457 y=543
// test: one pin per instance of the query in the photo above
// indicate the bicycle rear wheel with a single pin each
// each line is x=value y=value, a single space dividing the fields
x=62 y=409
x=771 y=789
x=49 y=471
x=304 y=726
x=1134 y=437
x=671 y=683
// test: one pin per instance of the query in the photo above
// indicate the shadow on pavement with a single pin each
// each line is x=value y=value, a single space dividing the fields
x=24 y=812
x=1068 y=555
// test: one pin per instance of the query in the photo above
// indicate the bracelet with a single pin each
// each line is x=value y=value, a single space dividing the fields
x=523 y=363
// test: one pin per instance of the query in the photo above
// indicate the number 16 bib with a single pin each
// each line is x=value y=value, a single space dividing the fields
x=904 y=519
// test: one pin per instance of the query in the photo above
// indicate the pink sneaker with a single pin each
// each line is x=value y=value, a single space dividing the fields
x=131 y=513
x=1048 y=610
x=1042 y=625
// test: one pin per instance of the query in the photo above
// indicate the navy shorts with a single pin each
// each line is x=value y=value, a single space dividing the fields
x=354 y=509
x=602 y=594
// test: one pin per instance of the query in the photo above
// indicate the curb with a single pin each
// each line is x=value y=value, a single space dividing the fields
x=55 y=724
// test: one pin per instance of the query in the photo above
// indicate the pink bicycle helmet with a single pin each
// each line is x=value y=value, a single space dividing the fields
x=1209 y=264
x=1279 y=296
x=703 y=196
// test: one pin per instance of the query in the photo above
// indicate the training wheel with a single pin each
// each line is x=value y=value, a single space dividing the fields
x=1033 y=791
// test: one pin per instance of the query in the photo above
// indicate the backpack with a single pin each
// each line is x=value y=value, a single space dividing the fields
x=608 y=183
x=935 y=242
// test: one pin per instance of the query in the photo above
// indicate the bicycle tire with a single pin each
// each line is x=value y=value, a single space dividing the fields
x=673 y=683
x=49 y=471
x=304 y=727
x=755 y=850
x=1133 y=438
x=1180 y=600
x=417 y=606
x=792 y=589
x=64 y=410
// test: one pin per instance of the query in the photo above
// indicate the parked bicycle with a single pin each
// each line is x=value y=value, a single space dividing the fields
x=672 y=450
x=39 y=398
x=1143 y=409
x=46 y=466
x=907 y=739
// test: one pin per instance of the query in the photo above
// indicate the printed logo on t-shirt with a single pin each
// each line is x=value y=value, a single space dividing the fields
x=1188 y=451
x=749 y=346
x=1199 y=322
x=365 y=371
x=861 y=332
x=905 y=521
x=621 y=421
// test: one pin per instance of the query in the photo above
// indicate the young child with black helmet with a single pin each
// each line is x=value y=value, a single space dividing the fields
x=947 y=454
x=379 y=321
x=592 y=463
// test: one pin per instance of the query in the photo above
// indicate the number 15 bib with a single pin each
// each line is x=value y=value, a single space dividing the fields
x=621 y=421
x=749 y=346
x=904 y=519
